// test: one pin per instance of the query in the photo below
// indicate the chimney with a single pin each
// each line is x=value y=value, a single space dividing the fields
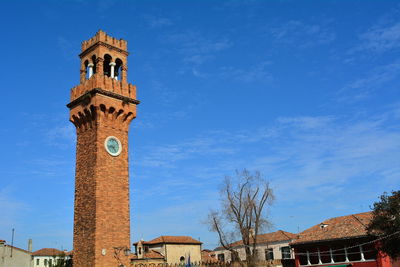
x=140 y=250
x=30 y=245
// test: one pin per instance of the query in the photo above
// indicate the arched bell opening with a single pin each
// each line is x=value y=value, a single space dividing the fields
x=94 y=59
x=107 y=66
x=118 y=69
x=86 y=63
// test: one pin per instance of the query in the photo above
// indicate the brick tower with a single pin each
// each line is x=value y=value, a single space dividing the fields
x=101 y=108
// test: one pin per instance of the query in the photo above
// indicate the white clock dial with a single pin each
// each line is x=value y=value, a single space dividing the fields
x=113 y=146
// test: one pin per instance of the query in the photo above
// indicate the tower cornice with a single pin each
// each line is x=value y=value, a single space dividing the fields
x=100 y=91
x=100 y=43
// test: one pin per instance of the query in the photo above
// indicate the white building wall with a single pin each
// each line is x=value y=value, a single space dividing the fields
x=43 y=260
x=276 y=248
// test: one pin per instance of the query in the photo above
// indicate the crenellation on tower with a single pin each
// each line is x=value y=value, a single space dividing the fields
x=100 y=81
x=101 y=36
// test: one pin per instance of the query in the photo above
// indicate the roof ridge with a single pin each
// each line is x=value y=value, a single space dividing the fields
x=348 y=215
x=284 y=233
x=49 y=248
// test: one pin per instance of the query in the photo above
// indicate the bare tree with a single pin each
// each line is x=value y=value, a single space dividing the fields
x=244 y=205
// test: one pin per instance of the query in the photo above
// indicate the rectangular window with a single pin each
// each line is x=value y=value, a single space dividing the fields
x=37 y=261
x=286 y=253
x=269 y=254
x=221 y=257
x=50 y=262
x=45 y=262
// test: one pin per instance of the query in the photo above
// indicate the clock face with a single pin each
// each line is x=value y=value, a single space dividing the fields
x=113 y=146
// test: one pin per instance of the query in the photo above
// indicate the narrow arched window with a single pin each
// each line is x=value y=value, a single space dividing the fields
x=86 y=69
x=94 y=59
x=106 y=66
x=118 y=67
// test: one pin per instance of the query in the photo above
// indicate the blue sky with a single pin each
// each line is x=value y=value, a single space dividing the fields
x=307 y=92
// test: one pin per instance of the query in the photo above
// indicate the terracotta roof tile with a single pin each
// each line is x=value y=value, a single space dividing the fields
x=152 y=254
x=353 y=225
x=173 y=240
x=269 y=237
x=208 y=256
x=47 y=252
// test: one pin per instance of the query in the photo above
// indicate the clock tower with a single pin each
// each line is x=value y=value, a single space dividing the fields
x=101 y=108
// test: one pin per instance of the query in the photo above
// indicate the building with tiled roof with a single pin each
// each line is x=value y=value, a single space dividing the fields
x=344 y=227
x=50 y=256
x=270 y=246
x=48 y=252
x=165 y=239
x=208 y=256
x=168 y=249
x=341 y=241
x=147 y=256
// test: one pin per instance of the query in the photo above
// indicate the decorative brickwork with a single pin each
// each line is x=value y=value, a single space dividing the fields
x=102 y=106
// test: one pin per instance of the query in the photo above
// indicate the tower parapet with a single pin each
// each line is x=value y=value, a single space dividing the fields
x=107 y=39
x=101 y=81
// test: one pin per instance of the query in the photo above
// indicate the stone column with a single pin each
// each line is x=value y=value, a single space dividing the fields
x=346 y=255
x=331 y=254
x=362 y=253
x=319 y=257
x=112 y=64
x=90 y=67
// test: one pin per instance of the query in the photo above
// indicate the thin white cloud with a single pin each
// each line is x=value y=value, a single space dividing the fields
x=154 y=21
x=11 y=209
x=62 y=136
x=365 y=86
x=256 y=73
x=197 y=48
x=380 y=38
x=168 y=155
x=302 y=34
